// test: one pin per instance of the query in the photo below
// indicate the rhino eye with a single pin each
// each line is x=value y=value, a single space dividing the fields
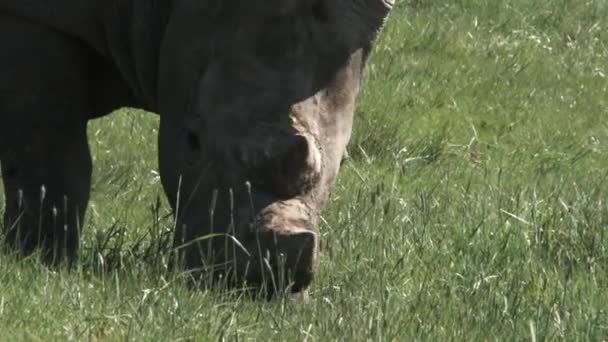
x=193 y=143
x=193 y=147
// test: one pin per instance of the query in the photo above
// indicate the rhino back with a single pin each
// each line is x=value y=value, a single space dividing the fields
x=78 y=18
x=127 y=33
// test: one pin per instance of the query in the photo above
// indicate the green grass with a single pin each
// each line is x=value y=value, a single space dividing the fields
x=474 y=205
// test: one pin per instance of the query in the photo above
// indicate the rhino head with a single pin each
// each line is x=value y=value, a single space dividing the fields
x=257 y=105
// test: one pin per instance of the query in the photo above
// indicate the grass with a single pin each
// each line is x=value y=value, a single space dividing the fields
x=474 y=205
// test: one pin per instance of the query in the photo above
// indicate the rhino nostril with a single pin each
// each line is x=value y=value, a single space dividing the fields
x=301 y=262
x=294 y=251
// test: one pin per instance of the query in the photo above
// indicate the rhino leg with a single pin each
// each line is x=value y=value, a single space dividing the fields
x=46 y=177
x=44 y=155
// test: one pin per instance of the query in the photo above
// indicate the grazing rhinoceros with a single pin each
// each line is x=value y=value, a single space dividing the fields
x=256 y=102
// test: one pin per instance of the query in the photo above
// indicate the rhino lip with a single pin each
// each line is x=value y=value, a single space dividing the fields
x=272 y=271
x=259 y=273
x=274 y=279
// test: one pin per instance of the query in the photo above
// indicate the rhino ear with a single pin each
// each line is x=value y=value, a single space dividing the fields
x=361 y=18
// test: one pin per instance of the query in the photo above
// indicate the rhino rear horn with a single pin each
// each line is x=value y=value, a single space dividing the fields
x=287 y=163
x=298 y=166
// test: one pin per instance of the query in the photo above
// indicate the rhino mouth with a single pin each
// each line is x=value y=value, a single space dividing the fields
x=276 y=252
x=285 y=263
x=271 y=271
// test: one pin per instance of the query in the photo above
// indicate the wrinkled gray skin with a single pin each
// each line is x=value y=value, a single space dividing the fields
x=256 y=104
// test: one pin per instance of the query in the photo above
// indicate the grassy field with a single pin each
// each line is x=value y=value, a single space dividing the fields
x=474 y=205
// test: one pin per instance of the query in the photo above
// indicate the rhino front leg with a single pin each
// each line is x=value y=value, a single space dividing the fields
x=44 y=155
x=46 y=174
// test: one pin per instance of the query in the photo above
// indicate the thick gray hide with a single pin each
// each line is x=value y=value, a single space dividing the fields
x=256 y=104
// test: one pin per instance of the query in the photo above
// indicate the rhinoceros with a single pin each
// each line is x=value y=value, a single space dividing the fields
x=256 y=102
